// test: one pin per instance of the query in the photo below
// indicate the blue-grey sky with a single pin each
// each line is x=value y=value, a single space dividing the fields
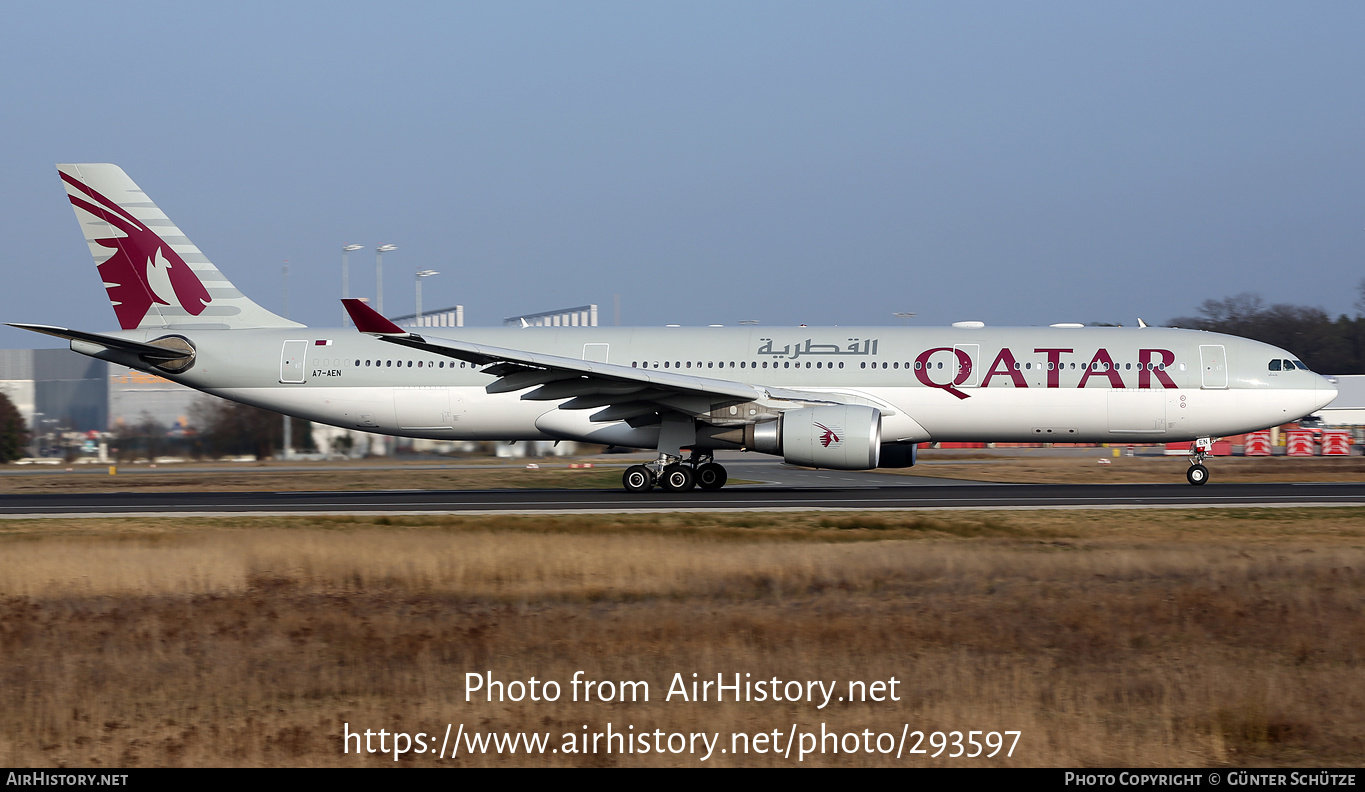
x=790 y=162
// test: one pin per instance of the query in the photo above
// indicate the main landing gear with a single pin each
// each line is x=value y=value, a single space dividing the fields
x=673 y=474
x=1199 y=451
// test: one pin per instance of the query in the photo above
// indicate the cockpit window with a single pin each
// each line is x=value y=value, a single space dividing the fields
x=1274 y=365
x=1298 y=364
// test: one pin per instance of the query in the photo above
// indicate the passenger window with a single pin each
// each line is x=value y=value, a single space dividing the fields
x=841 y=364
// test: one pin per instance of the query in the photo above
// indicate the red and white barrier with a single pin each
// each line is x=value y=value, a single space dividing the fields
x=1336 y=442
x=1300 y=443
x=1257 y=444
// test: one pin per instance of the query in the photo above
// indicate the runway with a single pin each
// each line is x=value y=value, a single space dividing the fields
x=924 y=496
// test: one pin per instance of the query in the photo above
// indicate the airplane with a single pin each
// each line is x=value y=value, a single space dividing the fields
x=844 y=398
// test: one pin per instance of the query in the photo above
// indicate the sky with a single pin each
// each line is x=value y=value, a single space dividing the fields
x=709 y=162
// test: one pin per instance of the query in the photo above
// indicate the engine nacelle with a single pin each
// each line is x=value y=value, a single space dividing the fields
x=837 y=437
x=898 y=455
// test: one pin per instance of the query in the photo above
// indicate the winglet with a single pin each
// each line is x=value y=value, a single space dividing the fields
x=368 y=320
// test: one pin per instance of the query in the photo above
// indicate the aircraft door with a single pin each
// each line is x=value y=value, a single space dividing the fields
x=597 y=353
x=1213 y=366
x=969 y=358
x=292 y=361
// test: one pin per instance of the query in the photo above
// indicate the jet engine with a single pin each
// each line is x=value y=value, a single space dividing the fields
x=898 y=455
x=837 y=437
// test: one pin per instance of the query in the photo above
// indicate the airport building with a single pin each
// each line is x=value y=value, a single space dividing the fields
x=1348 y=408
x=60 y=390
x=581 y=316
x=441 y=317
x=57 y=389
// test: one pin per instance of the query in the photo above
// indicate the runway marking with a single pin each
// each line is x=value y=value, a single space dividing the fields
x=662 y=510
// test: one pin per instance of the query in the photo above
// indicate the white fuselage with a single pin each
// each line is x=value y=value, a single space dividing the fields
x=940 y=384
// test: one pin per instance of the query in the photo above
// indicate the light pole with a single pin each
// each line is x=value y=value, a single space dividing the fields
x=346 y=278
x=426 y=273
x=287 y=429
x=379 y=275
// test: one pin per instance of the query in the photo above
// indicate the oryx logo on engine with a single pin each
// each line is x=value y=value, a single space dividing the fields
x=829 y=437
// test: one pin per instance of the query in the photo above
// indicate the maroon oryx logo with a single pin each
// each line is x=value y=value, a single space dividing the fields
x=828 y=437
x=143 y=269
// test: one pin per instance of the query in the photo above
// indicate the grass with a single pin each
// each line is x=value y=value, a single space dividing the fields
x=327 y=477
x=1146 y=637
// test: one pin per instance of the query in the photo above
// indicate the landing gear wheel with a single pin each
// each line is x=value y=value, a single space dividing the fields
x=638 y=478
x=1197 y=474
x=678 y=478
x=711 y=476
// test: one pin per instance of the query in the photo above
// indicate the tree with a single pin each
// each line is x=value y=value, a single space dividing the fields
x=1325 y=345
x=229 y=428
x=13 y=432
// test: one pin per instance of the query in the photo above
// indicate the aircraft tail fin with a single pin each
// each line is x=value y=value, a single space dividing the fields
x=155 y=276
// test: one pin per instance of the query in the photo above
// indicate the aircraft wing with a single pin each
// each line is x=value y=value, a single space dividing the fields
x=619 y=393
x=623 y=392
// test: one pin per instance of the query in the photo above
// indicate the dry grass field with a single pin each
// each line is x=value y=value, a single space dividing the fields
x=329 y=477
x=1145 y=637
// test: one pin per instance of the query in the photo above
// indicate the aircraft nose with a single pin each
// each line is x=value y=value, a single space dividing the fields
x=1326 y=391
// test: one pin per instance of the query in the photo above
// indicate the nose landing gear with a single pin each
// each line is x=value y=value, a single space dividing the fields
x=1200 y=450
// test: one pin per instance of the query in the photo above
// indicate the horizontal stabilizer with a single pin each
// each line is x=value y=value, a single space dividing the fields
x=149 y=352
